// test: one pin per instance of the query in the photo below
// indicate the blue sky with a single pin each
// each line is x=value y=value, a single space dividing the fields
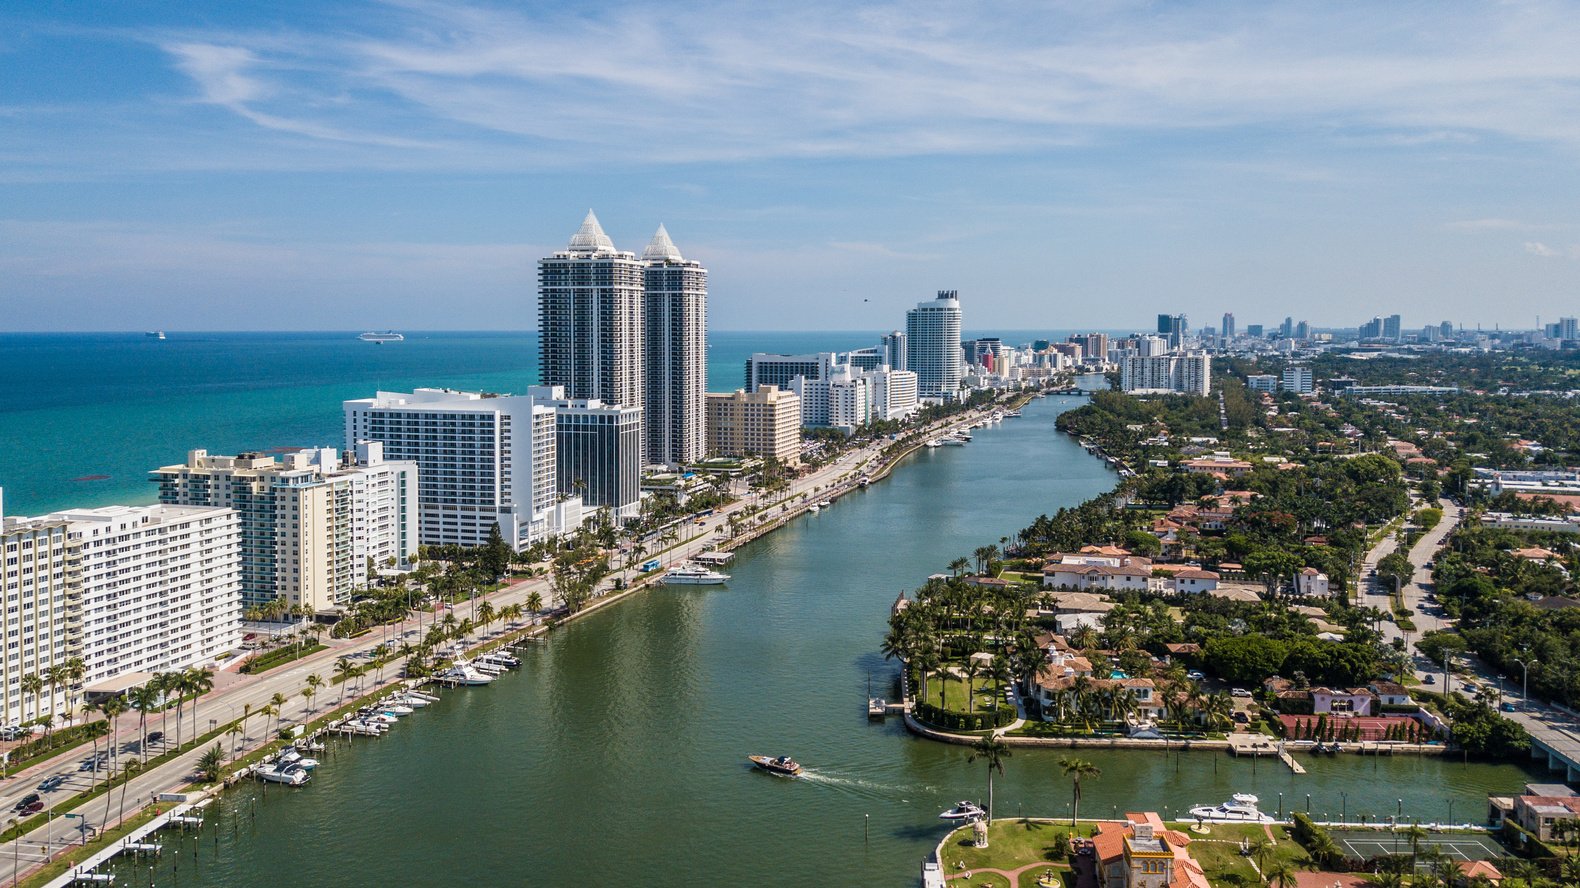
x=403 y=164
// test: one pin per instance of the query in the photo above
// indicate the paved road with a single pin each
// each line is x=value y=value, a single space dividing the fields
x=234 y=692
x=1416 y=591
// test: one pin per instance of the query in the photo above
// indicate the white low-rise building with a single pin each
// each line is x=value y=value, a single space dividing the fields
x=1311 y=581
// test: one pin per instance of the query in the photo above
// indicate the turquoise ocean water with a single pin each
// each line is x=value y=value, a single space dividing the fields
x=80 y=405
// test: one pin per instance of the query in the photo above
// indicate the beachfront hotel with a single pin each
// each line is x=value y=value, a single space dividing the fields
x=932 y=341
x=482 y=459
x=764 y=423
x=675 y=324
x=310 y=521
x=597 y=451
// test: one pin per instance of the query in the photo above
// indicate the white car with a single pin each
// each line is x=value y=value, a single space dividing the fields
x=1196 y=676
x=1239 y=692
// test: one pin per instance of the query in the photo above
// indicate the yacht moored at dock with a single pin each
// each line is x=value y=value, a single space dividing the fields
x=1241 y=808
x=694 y=575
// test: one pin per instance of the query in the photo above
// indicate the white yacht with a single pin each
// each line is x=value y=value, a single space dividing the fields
x=953 y=441
x=379 y=337
x=963 y=811
x=465 y=674
x=693 y=575
x=289 y=774
x=500 y=658
x=1241 y=808
x=395 y=708
x=933 y=443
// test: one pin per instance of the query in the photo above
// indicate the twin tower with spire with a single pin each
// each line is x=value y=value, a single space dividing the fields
x=631 y=331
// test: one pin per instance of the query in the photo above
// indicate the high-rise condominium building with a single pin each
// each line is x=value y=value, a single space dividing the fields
x=1187 y=373
x=764 y=423
x=43 y=614
x=310 y=523
x=1094 y=346
x=675 y=309
x=597 y=450
x=482 y=459
x=1303 y=330
x=892 y=347
x=1392 y=327
x=1173 y=328
x=932 y=334
x=1254 y=331
x=1228 y=325
x=590 y=319
x=161 y=589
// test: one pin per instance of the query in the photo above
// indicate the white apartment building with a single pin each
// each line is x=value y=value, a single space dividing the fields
x=1183 y=373
x=779 y=370
x=932 y=341
x=895 y=397
x=161 y=587
x=482 y=459
x=675 y=318
x=1297 y=379
x=42 y=620
x=310 y=523
x=590 y=308
x=1262 y=382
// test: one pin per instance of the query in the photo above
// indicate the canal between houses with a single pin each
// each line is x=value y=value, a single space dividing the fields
x=616 y=755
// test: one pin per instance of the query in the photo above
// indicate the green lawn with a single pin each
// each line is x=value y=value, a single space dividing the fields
x=1014 y=843
x=953 y=691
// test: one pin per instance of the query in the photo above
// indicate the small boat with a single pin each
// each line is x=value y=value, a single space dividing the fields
x=391 y=707
x=500 y=658
x=692 y=575
x=294 y=756
x=290 y=775
x=155 y=334
x=826 y=503
x=1013 y=414
x=963 y=811
x=1241 y=808
x=784 y=765
x=863 y=481
x=877 y=707
x=379 y=337
x=933 y=443
x=409 y=700
x=814 y=508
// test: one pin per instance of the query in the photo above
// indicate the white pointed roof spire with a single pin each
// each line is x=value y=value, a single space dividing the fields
x=661 y=248
x=590 y=237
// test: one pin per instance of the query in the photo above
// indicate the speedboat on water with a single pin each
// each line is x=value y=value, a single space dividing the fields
x=963 y=811
x=783 y=765
x=1241 y=808
x=294 y=756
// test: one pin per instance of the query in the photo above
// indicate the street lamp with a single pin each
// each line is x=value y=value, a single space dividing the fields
x=1344 y=806
x=1525 y=683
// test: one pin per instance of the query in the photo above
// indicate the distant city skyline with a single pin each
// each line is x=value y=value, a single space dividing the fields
x=375 y=165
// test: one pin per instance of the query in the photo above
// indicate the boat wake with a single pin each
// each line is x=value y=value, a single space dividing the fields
x=858 y=786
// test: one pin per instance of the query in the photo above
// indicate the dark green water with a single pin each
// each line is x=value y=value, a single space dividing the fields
x=616 y=755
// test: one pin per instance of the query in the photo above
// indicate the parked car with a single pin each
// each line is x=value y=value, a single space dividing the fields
x=1239 y=692
x=1507 y=707
x=27 y=803
x=1240 y=718
x=1196 y=675
x=1430 y=679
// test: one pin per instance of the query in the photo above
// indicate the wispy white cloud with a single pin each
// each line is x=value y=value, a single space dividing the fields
x=446 y=83
x=1491 y=224
x=1537 y=248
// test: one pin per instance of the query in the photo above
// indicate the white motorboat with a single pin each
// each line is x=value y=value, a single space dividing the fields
x=409 y=700
x=393 y=707
x=963 y=810
x=294 y=756
x=290 y=775
x=501 y=659
x=1241 y=808
x=826 y=503
x=953 y=441
x=465 y=674
x=933 y=443
x=692 y=575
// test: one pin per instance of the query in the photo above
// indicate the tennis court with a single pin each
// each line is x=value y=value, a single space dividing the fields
x=1364 y=844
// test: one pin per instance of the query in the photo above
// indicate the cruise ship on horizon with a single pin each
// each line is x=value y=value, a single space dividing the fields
x=381 y=337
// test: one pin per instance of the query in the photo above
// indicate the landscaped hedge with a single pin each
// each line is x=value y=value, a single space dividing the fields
x=279 y=656
x=964 y=721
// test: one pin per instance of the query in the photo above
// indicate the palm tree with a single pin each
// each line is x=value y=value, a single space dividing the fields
x=76 y=671
x=32 y=685
x=113 y=708
x=1282 y=872
x=992 y=749
x=267 y=710
x=235 y=733
x=278 y=701
x=307 y=699
x=210 y=764
x=198 y=681
x=55 y=676
x=958 y=566
x=88 y=709
x=380 y=653
x=343 y=669
x=143 y=699
x=175 y=683
x=128 y=771
x=1076 y=769
x=971 y=669
x=1415 y=833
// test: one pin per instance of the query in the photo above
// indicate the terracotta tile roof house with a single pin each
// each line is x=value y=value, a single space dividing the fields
x=1216 y=464
x=1277 y=685
x=1180 y=649
x=1357 y=701
x=1535 y=553
x=1114 y=551
x=1391 y=693
x=1470 y=869
x=1304 y=879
